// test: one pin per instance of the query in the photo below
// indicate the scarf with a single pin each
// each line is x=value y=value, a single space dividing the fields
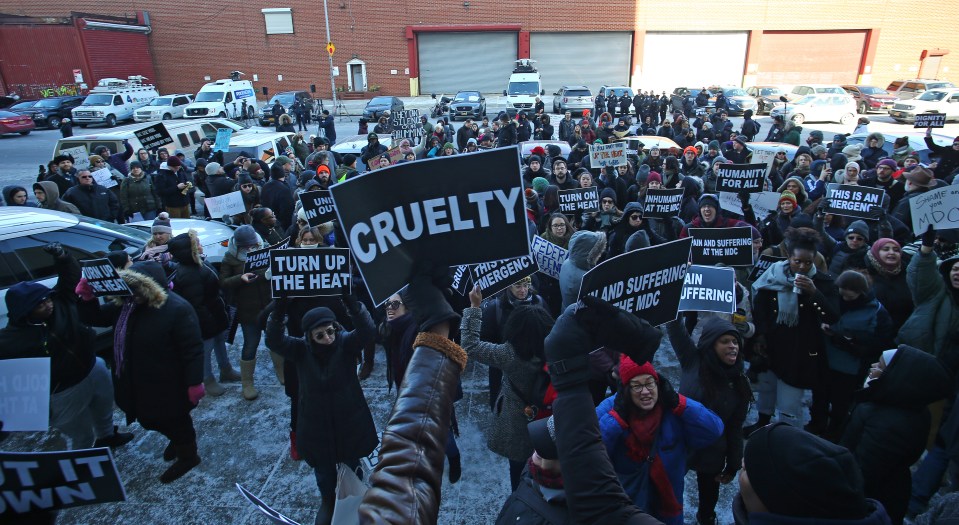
x=883 y=269
x=544 y=477
x=776 y=279
x=639 y=443
x=120 y=335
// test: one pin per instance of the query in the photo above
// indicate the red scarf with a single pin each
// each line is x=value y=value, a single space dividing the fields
x=544 y=477
x=642 y=432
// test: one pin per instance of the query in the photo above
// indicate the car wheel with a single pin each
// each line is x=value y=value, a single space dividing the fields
x=798 y=119
x=53 y=122
x=111 y=121
x=167 y=116
x=847 y=119
x=221 y=114
x=863 y=109
x=25 y=133
x=83 y=125
x=249 y=113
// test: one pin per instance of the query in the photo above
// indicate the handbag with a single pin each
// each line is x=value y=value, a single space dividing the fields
x=349 y=494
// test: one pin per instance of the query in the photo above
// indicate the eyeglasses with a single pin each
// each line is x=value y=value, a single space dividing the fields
x=781 y=153
x=607 y=201
x=635 y=217
x=329 y=332
x=639 y=387
x=392 y=305
x=558 y=226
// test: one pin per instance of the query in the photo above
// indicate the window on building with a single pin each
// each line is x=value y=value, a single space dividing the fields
x=279 y=21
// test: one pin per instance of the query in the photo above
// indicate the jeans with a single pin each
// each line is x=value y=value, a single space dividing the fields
x=84 y=411
x=789 y=403
x=927 y=479
x=766 y=393
x=215 y=345
x=251 y=340
x=326 y=478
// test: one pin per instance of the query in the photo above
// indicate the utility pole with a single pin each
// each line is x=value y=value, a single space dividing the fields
x=329 y=40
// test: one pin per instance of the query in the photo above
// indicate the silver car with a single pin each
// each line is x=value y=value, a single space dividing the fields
x=574 y=99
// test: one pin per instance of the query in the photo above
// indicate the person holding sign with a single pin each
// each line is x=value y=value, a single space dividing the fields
x=709 y=217
x=948 y=157
x=935 y=292
x=632 y=230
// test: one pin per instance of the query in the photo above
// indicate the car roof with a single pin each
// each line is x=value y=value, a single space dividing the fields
x=356 y=142
x=576 y=87
x=916 y=138
x=176 y=95
x=123 y=134
x=944 y=89
x=467 y=91
x=255 y=137
x=19 y=221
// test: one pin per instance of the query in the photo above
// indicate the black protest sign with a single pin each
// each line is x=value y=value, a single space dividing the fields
x=260 y=259
x=495 y=276
x=152 y=137
x=270 y=513
x=737 y=178
x=763 y=264
x=709 y=289
x=318 y=207
x=32 y=481
x=419 y=211
x=729 y=246
x=309 y=272
x=860 y=202
x=930 y=120
x=645 y=282
x=578 y=200
x=662 y=204
x=103 y=278
x=462 y=281
x=406 y=124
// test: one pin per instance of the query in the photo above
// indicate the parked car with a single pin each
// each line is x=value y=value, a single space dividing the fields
x=354 y=144
x=11 y=122
x=214 y=236
x=574 y=99
x=378 y=105
x=286 y=99
x=766 y=97
x=678 y=97
x=737 y=99
x=801 y=90
x=164 y=107
x=526 y=148
x=820 y=108
x=22 y=105
x=647 y=142
x=870 y=98
x=50 y=111
x=772 y=147
x=618 y=90
x=939 y=100
x=467 y=104
x=916 y=142
x=912 y=88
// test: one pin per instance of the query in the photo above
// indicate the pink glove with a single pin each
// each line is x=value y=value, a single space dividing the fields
x=84 y=290
x=196 y=393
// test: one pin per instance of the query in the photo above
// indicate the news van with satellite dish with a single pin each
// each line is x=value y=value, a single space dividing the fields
x=224 y=98
x=524 y=86
x=114 y=100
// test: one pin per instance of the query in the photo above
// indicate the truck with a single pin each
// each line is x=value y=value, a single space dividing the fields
x=114 y=100
x=524 y=86
x=224 y=98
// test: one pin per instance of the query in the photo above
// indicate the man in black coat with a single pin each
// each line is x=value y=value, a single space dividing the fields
x=328 y=126
x=278 y=196
x=92 y=199
x=170 y=182
x=217 y=180
x=948 y=157
x=372 y=149
x=508 y=135
x=276 y=111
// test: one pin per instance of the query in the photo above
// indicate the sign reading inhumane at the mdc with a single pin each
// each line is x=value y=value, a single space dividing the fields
x=860 y=202
x=937 y=207
x=152 y=137
x=662 y=203
x=309 y=272
x=494 y=276
x=103 y=278
x=260 y=259
x=607 y=155
x=729 y=246
x=574 y=201
x=709 y=289
x=738 y=178
x=32 y=481
x=318 y=207
x=397 y=216
x=406 y=124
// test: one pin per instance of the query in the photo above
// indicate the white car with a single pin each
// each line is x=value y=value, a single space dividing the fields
x=214 y=235
x=939 y=100
x=164 y=107
x=820 y=108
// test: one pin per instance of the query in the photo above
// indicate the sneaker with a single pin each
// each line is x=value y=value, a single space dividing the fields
x=118 y=439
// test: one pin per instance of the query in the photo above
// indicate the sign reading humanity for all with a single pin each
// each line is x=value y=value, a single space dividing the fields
x=737 y=178
x=578 y=200
x=548 y=256
x=406 y=124
x=103 y=278
x=607 y=155
x=763 y=264
x=310 y=272
x=35 y=481
x=318 y=207
x=476 y=217
x=662 y=204
x=709 y=289
x=938 y=207
x=646 y=282
x=260 y=259
x=152 y=137
x=729 y=246
x=860 y=202
x=498 y=275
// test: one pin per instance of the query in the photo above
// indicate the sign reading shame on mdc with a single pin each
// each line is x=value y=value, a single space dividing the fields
x=607 y=155
x=709 y=289
x=34 y=481
x=662 y=203
x=737 y=178
x=574 y=201
x=495 y=276
x=427 y=215
x=318 y=207
x=861 y=202
x=937 y=207
x=309 y=272
x=729 y=246
x=103 y=278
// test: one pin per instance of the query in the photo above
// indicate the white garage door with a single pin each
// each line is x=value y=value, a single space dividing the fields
x=590 y=59
x=692 y=60
x=450 y=62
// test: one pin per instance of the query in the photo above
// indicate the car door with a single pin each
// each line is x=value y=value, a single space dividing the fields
x=952 y=106
x=179 y=103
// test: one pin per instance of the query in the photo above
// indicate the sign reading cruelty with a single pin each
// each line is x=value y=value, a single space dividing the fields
x=607 y=155
x=260 y=259
x=462 y=282
x=229 y=204
x=548 y=256
x=763 y=264
x=25 y=390
x=646 y=282
x=737 y=178
x=709 y=289
x=578 y=200
x=34 y=481
x=937 y=207
x=494 y=276
x=729 y=246
x=103 y=278
x=662 y=204
x=318 y=207
x=406 y=124
x=930 y=120
x=427 y=215
x=310 y=272
x=152 y=137
x=860 y=202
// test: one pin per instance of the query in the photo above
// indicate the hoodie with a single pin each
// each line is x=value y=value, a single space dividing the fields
x=9 y=191
x=52 y=201
x=585 y=250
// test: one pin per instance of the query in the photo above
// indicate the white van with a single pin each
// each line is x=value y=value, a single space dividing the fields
x=228 y=97
x=114 y=100
x=524 y=86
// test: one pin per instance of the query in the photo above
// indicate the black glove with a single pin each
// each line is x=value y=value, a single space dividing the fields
x=425 y=297
x=280 y=306
x=617 y=329
x=622 y=403
x=744 y=199
x=55 y=249
x=667 y=396
x=350 y=302
x=929 y=237
x=567 y=350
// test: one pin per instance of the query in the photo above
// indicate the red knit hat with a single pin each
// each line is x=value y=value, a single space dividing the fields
x=628 y=369
x=654 y=176
x=538 y=150
x=690 y=149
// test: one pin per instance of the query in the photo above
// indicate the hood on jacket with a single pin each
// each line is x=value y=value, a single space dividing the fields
x=803 y=196
x=183 y=248
x=878 y=136
x=8 y=192
x=51 y=190
x=631 y=207
x=585 y=247
x=146 y=280
x=713 y=328
x=914 y=379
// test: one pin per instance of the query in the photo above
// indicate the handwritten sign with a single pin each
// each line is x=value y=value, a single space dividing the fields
x=225 y=205
x=104 y=177
x=406 y=124
x=762 y=203
x=81 y=158
x=548 y=256
x=222 y=139
x=608 y=155
x=25 y=389
x=937 y=207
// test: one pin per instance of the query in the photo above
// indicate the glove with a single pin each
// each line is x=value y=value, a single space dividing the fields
x=617 y=329
x=425 y=298
x=567 y=349
x=621 y=404
x=55 y=249
x=667 y=395
x=742 y=328
x=280 y=307
x=84 y=290
x=928 y=238
x=350 y=302
x=196 y=393
x=744 y=199
x=821 y=208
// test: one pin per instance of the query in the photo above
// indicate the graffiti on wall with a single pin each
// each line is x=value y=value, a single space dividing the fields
x=60 y=91
x=45 y=90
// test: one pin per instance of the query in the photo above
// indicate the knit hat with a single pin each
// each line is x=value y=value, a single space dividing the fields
x=628 y=369
x=23 y=297
x=306 y=177
x=742 y=140
x=538 y=150
x=817 y=150
x=212 y=168
x=282 y=160
x=93 y=159
x=853 y=281
x=245 y=236
x=136 y=164
x=708 y=199
x=172 y=162
x=920 y=177
x=471 y=141
x=713 y=144
x=597 y=141
x=318 y=316
x=118 y=258
x=540 y=184
x=858 y=227
x=244 y=178
x=816 y=133
x=642 y=174
x=554 y=150
x=449 y=145
x=162 y=224
x=531 y=194
x=839 y=138
x=607 y=193
x=542 y=435
x=349 y=159
x=889 y=163
x=372 y=136
x=690 y=149
x=60 y=158
x=801 y=475
x=853 y=152
x=788 y=196
x=535 y=158
x=323 y=168
x=654 y=176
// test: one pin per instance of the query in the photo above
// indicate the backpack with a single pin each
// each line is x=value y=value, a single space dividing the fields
x=753 y=130
x=539 y=404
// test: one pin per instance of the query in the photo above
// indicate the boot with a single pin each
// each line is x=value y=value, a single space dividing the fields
x=325 y=515
x=212 y=387
x=278 y=367
x=760 y=423
x=229 y=375
x=705 y=519
x=456 y=469
x=186 y=459
x=169 y=453
x=117 y=439
x=367 y=369
x=294 y=454
x=246 y=371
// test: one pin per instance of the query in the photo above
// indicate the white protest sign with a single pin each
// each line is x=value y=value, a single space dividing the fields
x=548 y=256
x=25 y=391
x=103 y=177
x=81 y=159
x=764 y=156
x=763 y=203
x=938 y=207
x=229 y=204
x=607 y=155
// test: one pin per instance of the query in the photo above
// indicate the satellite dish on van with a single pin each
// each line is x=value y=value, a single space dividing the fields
x=235 y=75
x=524 y=65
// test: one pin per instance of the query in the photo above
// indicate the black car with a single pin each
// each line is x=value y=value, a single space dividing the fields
x=286 y=99
x=468 y=104
x=377 y=105
x=49 y=112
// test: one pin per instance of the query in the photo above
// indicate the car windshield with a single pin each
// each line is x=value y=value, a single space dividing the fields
x=933 y=85
x=577 y=93
x=210 y=96
x=24 y=105
x=523 y=88
x=872 y=90
x=466 y=97
x=808 y=99
x=104 y=99
x=49 y=103
x=837 y=90
x=736 y=92
x=932 y=95
x=164 y=101
x=286 y=100
x=768 y=92
x=381 y=101
x=125 y=230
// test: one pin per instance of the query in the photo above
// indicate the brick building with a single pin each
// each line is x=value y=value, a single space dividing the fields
x=406 y=48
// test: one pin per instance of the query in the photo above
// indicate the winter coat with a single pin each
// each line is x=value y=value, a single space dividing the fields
x=277 y=196
x=584 y=246
x=118 y=161
x=138 y=195
x=94 y=201
x=534 y=504
x=892 y=291
x=948 y=158
x=566 y=129
x=935 y=318
x=719 y=222
x=220 y=185
x=199 y=285
x=250 y=299
x=63 y=181
x=792 y=136
x=165 y=182
x=53 y=200
x=863 y=331
x=622 y=231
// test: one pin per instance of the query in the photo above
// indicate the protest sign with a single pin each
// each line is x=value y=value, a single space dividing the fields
x=462 y=281
x=273 y=515
x=764 y=262
x=709 y=289
x=937 y=207
x=729 y=246
x=495 y=276
x=25 y=391
x=318 y=207
x=860 y=202
x=662 y=204
x=645 y=282
x=260 y=259
x=222 y=139
x=930 y=120
x=762 y=203
x=309 y=272
x=578 y=200
x=154 y=136
x=764 y=156
x=81 y=158
x=229 y=204
x=35 y=481
x=406 y=124
x=103 y=278
x=549 y=257
x=104 y=177
x=608 y=155
x=736 y=178
x=416 y=211
x=395 y=154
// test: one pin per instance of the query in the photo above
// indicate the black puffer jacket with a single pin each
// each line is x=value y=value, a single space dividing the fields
x=622 y=231
x=533 y=504
x=199 y=285
x=94 y=201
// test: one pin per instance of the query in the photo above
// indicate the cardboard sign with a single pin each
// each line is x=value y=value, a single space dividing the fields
x=645 y=282
x=395 y=154
x=310 y=272
x=25 y=389
x=763 y=264
x=930 y=120
x=729 y=246
x=229 y=204
x=854 y=201
x=406 y=124
x=493 y=277
x=462 y=280
x=662 y=204
x=736 y=178
x=416 y=211
x=33 y=481
x=608 y=155
x=938 y=207
x=104 y=279
x=104 y=177
x=762 y=203
x=578 y=200
x=274 y=516
x=764 y=156
x=260 y=259
x=81 y=158
x=222 y=139
x=318 y=207
x=549 y=257
x=709 y=289
x=152 y=137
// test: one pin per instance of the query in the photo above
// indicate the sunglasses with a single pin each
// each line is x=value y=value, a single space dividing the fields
x=607 y=201
x=856 y=238
x=87 y=177
x=635 y=217
x=246 y=186
x=392 y=305
x=329 y=332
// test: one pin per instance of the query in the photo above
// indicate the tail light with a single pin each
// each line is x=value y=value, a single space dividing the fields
x=225 y=243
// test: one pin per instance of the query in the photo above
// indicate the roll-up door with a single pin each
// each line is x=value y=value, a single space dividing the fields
x=694 y=59
x=815 y=57
x=450 y=62
x=590 y=59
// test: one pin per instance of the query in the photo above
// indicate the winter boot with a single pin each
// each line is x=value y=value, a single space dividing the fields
x=229 y=375
x=246 y=372
x=294 y=454
x=325 y=515
x=169 y=453
x=705 y=519
x=186 y=459
x=368 y=353
x=456 y=469
x=760 y=423
x=212 y=387
x=278 y=367
x=117 y=439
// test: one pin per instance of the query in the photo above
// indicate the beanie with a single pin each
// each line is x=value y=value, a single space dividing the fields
x=789 y=196
x=853 y=281
x=690 y=149
x=349 y=159
x=540 y=184
x=212 y=168
x=162 y=224
x=817 y=150
x=118 y=258
x=245 y=236
x=858 y=227
x=531 y=194
x=597 y=141
x=538 y=150
x=708 y=199
x=135 y=164
x=318 y=316
x=713 y=144
x=283 y=160
x=554 y=150
x=628 y=369
x=889 y=163
x=471 y=141
x=23 y=297
x=172 y=162
x=94 y=159
x=607 y=193
x=642 y=174
x=244 y=178
x=449 y=145
x=542 y=435
x=535 y=158
x=816 y=133
x=654 y=176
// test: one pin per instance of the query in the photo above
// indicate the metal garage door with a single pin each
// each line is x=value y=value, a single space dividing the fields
x=450 y=62
x=695 y=59
x=816 y=57
x=590 y=59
